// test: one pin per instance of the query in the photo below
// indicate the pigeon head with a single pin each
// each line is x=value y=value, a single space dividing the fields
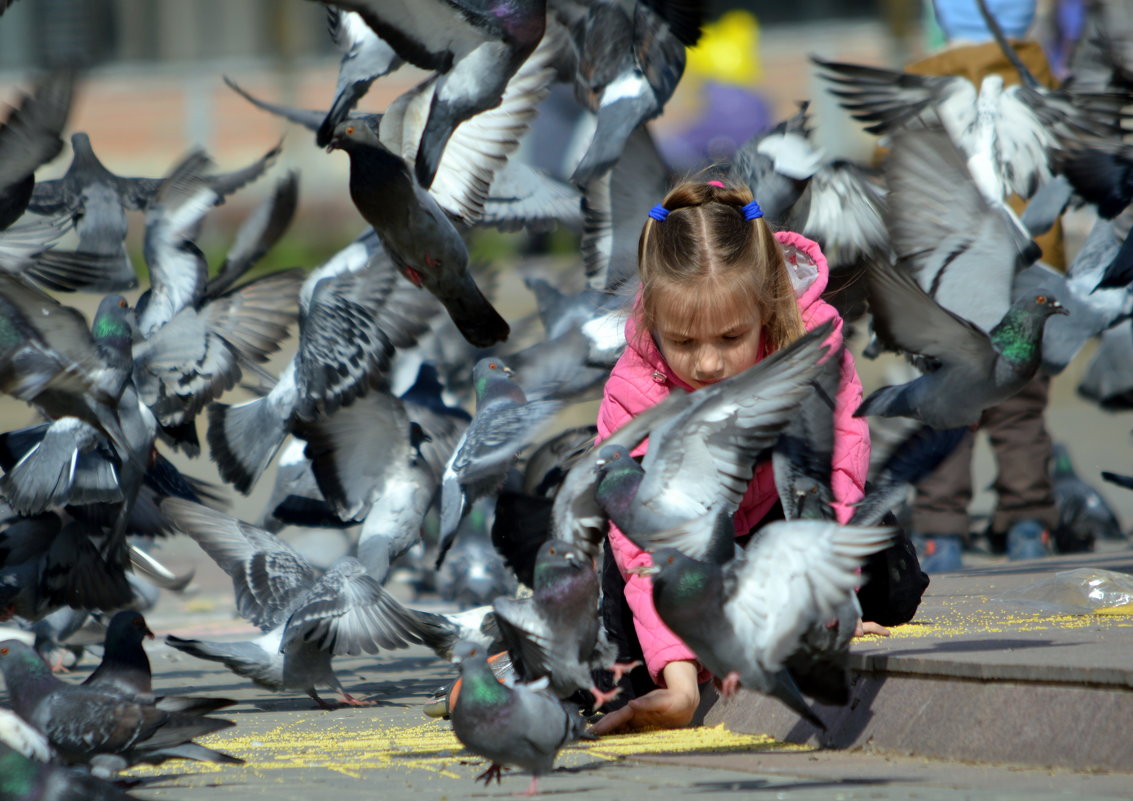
x=1018 y=336
x=491 y=380
x=352 y=133
x=619 y=476
x=561 y=570
x=112 y=321
x=23 y=670
x=679 y=581
x=127 y=627
x=466 y=650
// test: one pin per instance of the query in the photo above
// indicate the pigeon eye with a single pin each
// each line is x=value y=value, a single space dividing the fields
x=492 y=366
x=550 y=550
x=122 y=303
x=1040 y=299
x=3 y=651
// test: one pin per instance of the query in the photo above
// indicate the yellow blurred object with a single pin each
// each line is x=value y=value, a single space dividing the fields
x=728 y=51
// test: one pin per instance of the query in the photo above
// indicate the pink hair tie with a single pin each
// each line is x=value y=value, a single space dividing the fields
x=717 y=184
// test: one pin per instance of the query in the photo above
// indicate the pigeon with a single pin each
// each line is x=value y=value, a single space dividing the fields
x=420 y=238
x=1010 y=135
x=1109 y=376
x=353 y=313
x=518 y=725
x=98 y=200
x=22 y=738
x=1083 y=514
x=745 y=618
x=307 y=619
x=630 y=57
x=946 y=234
x=474 y=572
x=506 y=420
x=125 y=669
x=556 y=632
x=970 y=370
x=365 y=58
x=29 y=137
x=1093 y=308
x=701 y=460
x=104 y=729
x=28 y=779
x=777 y=165
x=476 y=49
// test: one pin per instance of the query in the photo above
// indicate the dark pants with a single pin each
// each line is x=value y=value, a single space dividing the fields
x=1022 y=449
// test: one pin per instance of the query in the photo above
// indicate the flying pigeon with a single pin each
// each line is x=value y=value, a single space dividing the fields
x=744 y=620
x=969 y=370
x=420 y=238
x=505 y=421
x=556 y=632
x=307 y=619
x=629 y=59
x=476 y=49
x=353 y=313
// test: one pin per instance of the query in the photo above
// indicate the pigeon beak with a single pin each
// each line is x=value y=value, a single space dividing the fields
x=149 y=634
x=1059 y=308
x=645 y=570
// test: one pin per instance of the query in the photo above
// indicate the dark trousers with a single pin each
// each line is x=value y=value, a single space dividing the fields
x=1022 y=449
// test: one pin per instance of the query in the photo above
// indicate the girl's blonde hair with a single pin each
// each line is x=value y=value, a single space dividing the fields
x=707 y=251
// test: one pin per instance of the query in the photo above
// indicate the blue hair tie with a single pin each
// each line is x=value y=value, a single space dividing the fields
x=752 y=211
x=659 y=213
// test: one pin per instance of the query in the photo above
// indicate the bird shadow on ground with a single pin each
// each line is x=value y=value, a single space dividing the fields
x=975 y=646
x=752 y=785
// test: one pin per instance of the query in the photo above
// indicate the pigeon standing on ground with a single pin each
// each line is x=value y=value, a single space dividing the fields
x=423 y=242
x=125 y=669
x=1083 y=514
x=510 y=725
x=24 y=779
x=101 y=728
x=743 y=620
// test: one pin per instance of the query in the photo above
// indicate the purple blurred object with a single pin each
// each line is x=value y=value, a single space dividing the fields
x=731 y=116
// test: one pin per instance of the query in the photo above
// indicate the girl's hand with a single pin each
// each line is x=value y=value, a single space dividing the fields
x=669 y=707
x=869 y=627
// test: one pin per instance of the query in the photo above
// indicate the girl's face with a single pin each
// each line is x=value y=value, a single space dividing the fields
x=708 y=347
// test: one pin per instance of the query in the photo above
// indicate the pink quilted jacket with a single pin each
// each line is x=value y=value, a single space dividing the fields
x=641 y=378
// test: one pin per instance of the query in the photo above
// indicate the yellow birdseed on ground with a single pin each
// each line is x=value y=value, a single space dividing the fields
x=313 y=743
x=949 y=624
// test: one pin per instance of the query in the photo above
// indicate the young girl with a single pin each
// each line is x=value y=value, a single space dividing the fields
x=719 y=292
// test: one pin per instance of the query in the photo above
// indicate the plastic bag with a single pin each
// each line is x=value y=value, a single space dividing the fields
x=1084 y=591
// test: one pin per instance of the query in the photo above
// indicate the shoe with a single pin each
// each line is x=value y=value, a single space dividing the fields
x=941 y=553
x=1028 y=539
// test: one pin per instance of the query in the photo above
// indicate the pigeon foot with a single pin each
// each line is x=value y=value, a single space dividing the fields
x=619 y=669
x=729 y=685
x=601 y=698
x=350 y=700
x=494 y=771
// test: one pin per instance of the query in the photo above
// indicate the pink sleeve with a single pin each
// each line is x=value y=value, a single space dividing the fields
x=850 y=465
x=659 y=645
